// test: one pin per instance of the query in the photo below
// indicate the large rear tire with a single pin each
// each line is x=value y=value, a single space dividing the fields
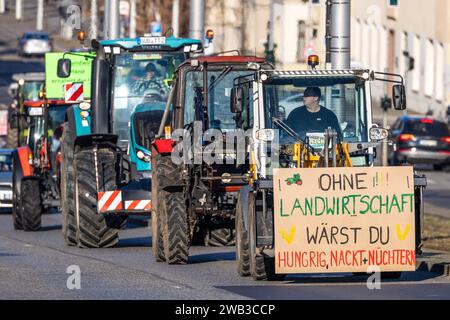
x=31 y=204
x=175 y=227
x=94 y=230
x=242 y=250
x=69 y=229
x=16 y=208
x=172 y=222
x=157 y=239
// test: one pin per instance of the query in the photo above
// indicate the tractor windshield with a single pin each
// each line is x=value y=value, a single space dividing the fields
x=31 y=90
x=139 y=78
x=35 y=130
x=309 y=106
x=220 y=83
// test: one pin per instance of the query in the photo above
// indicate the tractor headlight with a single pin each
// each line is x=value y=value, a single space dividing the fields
x=142 y=156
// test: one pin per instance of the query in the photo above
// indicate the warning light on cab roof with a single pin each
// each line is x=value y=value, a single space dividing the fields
x=313 y=61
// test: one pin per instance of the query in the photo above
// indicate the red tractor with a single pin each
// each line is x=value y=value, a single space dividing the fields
x=36 y=176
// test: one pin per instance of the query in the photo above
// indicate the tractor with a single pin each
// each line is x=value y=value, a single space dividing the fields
x=36 y=175
x=195 y=173
x=105 y=155
x=275 y=213
x=23 y=90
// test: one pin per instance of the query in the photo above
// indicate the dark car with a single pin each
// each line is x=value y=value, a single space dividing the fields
x=420 y=140
x=34 y=43
x=5 y=178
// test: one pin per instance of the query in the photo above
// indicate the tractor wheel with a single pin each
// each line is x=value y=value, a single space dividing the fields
x=220 y=237
x=69 y=229
x=157 y=239
x=31 y=204
x=175 y=227
x=11 y=140
x=262 y=267
x=94 y=230
x=242 y=252
x=16 y=208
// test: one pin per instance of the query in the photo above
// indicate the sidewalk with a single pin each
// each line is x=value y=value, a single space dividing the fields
x=433 y=261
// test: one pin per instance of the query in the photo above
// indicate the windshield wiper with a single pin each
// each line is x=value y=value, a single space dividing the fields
x=220 y=77
x=292 y=133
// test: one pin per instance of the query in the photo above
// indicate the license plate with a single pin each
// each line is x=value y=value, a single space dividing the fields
x=152 y=40
x=428 y=143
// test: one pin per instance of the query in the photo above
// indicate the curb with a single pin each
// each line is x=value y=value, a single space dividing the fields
x=440 y=268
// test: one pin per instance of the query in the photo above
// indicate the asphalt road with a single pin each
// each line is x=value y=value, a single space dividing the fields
x=33 y=266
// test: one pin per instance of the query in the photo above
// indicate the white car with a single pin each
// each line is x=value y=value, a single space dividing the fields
x=34 y=43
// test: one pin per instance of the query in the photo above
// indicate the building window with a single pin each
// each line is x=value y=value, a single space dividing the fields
x=417 y=54
x=393 y=3
x=440 y=63
x=383 y=49
x=301 y=40
x=402 y=67
x=430 y=60
x=365 y=54
x=356 y=40
x=374 y=47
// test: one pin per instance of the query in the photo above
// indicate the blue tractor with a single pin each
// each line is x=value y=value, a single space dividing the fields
x=105 y=171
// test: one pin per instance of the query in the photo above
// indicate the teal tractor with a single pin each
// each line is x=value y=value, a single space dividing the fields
x=105 y=168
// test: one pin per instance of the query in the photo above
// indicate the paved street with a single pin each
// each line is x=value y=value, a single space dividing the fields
x=33 y=265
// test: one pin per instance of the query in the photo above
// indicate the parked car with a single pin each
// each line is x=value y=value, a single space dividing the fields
x=420 y=140
x=34 y=43
x=6 y=178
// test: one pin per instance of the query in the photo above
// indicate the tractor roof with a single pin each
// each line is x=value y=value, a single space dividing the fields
x=229 y=59
x=30 y=76
x=129 y=43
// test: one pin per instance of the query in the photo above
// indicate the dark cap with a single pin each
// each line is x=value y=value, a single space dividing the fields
x=150 y=67
x=312 y=92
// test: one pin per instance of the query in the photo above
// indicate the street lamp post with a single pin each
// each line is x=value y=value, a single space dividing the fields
x=132 y=18
x=18 y=9
x=197 y=19
x=176 y=17
x=40 y=15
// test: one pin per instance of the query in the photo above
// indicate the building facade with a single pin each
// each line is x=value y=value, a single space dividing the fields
x=409 y=37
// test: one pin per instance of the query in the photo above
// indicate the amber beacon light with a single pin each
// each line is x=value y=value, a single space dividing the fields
x=313 y=61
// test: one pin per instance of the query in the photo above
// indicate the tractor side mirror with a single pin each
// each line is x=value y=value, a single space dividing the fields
x=399 y=97
x=13 y=90
x=64 y=68
x=12 y=119
x=237 y=100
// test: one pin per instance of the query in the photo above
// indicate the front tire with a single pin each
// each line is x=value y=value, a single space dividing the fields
x=31 y=204
x=242 y=249
x=94 y=230
x=69 y=229
x=262 y=267
x=16 y=209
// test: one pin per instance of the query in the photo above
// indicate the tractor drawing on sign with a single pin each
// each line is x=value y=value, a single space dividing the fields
x=294 y=180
